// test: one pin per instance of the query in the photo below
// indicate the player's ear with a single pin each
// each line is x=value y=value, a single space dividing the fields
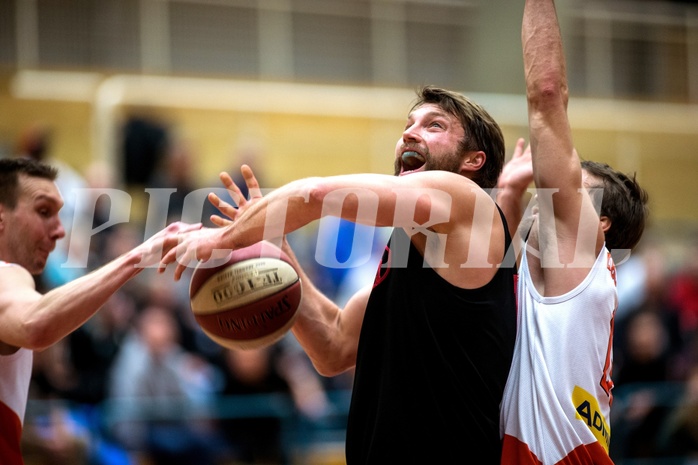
x=605 y=223
x=473 y=161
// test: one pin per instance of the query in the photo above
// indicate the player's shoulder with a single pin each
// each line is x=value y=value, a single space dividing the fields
x=4 y=264
x=14 y=274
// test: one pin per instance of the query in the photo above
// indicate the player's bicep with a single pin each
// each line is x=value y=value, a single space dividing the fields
x=557 y=173
x=389 y=201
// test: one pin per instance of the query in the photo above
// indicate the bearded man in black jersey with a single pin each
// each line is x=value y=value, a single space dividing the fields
x=431 y=339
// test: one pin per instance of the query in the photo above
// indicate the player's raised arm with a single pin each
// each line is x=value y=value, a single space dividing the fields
x=564 y=205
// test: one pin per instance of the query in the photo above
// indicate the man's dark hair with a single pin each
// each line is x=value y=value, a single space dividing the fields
x=481 y=130
x=624 y=203
x=10 y=171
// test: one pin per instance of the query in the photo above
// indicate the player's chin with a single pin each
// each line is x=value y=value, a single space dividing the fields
x=39 y=266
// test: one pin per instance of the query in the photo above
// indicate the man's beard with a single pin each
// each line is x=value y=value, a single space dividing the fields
x=449 y=162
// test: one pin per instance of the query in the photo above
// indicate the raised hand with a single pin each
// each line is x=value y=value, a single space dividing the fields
x=231 y=212
x=517 y=173
x=205 y=243
x=512 y=184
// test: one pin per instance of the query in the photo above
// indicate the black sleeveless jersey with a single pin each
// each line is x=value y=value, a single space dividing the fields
x=431 y=366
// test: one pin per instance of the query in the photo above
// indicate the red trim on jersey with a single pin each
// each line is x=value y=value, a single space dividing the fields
x=10 y=437
x=515 y=452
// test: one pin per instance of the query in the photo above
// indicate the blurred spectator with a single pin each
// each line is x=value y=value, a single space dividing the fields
x=634 y=280
x=176 y=170
x=642 y=288
x=93 y=348
x=646 y=352
x=100 y=176
x=53 y=433
x=157 y=392
x=271 y=370
x=53 y=436
x=681 y=433
x=683 y=292
x=145 y=141
x=174 y=295
x=35 y=141
x=639 y=377
x=119 y=239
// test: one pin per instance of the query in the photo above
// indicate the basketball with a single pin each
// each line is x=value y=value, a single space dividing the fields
x=247 y=300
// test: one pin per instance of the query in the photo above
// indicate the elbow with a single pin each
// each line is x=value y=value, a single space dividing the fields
x=315 y=190
x=306 y=196
x=551 y=91
x=325 y=370
x=331 y=370
x=333 y=366
x=36 y=336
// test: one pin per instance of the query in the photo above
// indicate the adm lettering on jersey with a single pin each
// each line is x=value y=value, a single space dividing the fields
x=589 y=412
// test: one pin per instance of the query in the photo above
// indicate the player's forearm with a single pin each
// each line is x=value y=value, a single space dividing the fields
x=544 y=61
x=62 y=310
x=316 y=327
x=554 y=160
x=317 y=332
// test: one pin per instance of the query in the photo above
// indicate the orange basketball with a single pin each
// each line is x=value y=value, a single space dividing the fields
x=249 y=300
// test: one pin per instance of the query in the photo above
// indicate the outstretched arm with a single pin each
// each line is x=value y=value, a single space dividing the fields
x=34 y=321
x=423 y=201
x=569 y=230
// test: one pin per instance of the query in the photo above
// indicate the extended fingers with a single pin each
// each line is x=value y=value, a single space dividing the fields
x=519 y=148
x=223 y=206
x=220 y=221
x=169 y=257
x=232 y=188
x=527 y=152
x=185 y=256
x=179 y=271
x=251 y=181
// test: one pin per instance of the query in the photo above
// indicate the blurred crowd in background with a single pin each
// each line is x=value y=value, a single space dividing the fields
x=141 y=384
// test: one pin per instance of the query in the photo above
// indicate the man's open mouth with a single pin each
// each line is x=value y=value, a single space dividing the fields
x=412 y=160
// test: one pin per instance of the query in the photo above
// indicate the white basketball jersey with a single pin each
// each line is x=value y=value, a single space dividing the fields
x=15 y=376
x=558 y=397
